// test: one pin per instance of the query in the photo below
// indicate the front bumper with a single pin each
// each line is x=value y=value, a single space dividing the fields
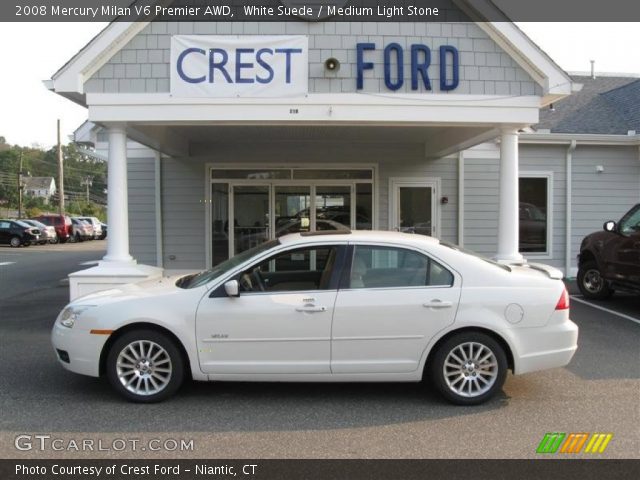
x=551 y=346
x=83 y=349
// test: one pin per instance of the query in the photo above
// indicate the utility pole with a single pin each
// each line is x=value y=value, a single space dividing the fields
x=87 y=181
x=20 y=187
x=60 y=175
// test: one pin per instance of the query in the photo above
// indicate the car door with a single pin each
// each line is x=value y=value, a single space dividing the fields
x=396 y=299
x=4 y=231
x=280 y=323
x=626 y=249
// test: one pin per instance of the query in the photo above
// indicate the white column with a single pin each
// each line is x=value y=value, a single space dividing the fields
x=508 y=217
x=117 y=198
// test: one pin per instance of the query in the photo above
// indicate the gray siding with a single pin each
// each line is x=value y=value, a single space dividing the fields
x=598 y=197
x=143 y=64
x=142 y=209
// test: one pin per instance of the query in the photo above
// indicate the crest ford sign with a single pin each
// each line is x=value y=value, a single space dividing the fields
x=242 y=66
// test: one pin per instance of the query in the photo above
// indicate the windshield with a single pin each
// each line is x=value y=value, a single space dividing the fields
x=474 y=254
x=23 y=224
x=207 y=276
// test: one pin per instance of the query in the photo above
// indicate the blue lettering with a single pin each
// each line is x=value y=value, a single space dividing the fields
x=387 y=66
x=181 y=58
x=444 y=84
x=362 y=65
x=213 y=65
x=420 y=68
x=264 y=65
x=288 y=52
x=240 y=65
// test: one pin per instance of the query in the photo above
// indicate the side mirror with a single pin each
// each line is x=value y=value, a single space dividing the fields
x=609 y=226
x=232 y=288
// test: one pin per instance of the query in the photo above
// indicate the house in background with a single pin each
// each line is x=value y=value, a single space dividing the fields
x=40 y=187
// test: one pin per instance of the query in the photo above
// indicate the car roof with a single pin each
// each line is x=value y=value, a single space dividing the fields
x=367 y=236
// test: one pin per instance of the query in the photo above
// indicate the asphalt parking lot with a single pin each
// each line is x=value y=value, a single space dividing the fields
x=597 y=392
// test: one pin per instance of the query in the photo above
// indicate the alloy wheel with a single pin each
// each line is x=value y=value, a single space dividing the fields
x=144 y=367
x=470 y=369
x=592 y=281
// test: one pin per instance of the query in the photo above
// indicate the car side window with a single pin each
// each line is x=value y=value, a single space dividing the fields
x=630 y=223
x=388 y=267
x=5 y=225
x=302 y=269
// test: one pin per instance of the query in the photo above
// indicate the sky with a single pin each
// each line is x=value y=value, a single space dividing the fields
x=32 y=52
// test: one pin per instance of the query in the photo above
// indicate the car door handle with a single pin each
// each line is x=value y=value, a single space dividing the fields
x=311 y=309
x=437 y=304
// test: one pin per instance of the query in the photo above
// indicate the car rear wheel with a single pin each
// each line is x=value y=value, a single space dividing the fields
x=145 y=366
x=469 y=368
x=15 y=242
x=591 y=283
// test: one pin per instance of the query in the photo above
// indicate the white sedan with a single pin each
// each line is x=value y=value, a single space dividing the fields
x=327 y=307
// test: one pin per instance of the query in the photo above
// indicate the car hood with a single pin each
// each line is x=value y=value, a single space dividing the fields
x=145 y=289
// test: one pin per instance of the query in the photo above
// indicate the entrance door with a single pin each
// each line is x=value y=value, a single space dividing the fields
x=292 y=209
x=413 y=206
x=250 y=216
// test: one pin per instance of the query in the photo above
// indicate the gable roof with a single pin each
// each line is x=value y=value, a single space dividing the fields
x=69 y=79
x=38 y=183
x=605 y=105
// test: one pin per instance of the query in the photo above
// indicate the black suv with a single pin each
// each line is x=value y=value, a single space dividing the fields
x=610 y=260
x=16 y=233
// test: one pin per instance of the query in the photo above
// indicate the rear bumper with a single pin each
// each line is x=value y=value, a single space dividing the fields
x=551 y=346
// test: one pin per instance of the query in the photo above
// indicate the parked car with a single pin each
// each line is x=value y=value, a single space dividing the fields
x=82 y=230
x=96 y=224
x=326 y=306
x=62 y=224
x=47 y=233
x=17 y=233
x=610 y=260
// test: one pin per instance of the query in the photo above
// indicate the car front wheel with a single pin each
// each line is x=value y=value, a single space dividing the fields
x=591 y=284
x=145 y=366
x=15 y=242
x=469 y=368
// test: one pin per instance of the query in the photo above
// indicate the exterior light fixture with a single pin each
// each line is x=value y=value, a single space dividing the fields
x=332 y=64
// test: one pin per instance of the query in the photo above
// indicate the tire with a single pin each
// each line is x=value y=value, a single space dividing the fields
x=167 y=371
x=591 y=283
x=452 y=357
x=15 y=242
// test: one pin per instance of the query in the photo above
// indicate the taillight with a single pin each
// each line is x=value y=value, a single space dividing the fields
x=563 y=303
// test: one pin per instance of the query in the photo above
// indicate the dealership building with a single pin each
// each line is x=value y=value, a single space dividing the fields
x=221 y=135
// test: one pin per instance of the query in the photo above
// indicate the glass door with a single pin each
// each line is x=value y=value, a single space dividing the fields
x=292 y=209
x=413 y=207
x=250 y=216
x=333 y=207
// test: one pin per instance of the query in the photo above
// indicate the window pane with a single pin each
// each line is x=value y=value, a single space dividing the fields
x=251 y=213
x=219 y=222
x=415 y=210
x=382 y=267
x=295 y=270
x=533 y=214
x=364 y=206
x=333 y=174
x=249 y=174
x=292 y=212
x=333 y=207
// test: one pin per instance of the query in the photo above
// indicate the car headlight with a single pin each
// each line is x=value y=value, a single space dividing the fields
x=70 y=314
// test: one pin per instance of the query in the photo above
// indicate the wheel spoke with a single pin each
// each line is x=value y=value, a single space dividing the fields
x=144 y=367
x=470 y=369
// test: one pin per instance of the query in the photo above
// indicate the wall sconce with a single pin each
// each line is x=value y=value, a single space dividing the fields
x=332 y=64
x=599 y=169
x=444 y=200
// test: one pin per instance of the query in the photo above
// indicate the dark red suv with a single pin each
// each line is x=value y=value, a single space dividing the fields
x=610 y=260
x=61 y=223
